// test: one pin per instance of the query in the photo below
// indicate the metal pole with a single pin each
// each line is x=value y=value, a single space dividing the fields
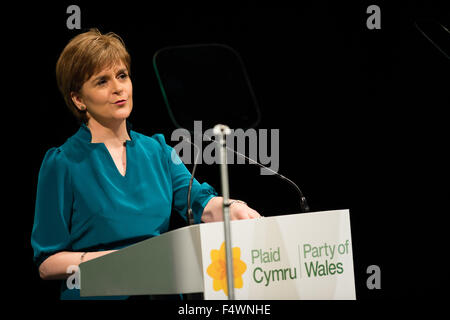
x=221 y=131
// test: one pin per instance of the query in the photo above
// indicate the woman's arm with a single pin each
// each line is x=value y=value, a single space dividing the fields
x=214 y=212
x=55 y=267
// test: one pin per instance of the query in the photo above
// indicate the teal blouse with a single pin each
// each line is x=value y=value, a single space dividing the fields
x=83 y=202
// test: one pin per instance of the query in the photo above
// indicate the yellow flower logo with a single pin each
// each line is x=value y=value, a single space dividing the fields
x=218 y=270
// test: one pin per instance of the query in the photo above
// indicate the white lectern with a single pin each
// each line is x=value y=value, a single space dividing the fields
x=298 y=256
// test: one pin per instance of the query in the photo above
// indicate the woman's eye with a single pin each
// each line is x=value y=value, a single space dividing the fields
x=123 y=75
x=101 y=82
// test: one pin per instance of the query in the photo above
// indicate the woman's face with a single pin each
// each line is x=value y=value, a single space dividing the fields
x=108 y=95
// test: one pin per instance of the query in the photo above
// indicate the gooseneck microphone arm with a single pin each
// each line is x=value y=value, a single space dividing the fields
x=303 y=203
x=190 y=215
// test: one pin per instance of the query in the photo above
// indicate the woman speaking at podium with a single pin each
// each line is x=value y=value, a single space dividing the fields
x=108 y=186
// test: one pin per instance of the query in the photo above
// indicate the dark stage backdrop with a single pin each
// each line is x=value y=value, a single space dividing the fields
x=360 y=114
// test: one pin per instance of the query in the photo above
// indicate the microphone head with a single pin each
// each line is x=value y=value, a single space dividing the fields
x=221 y=129
x=304 y=204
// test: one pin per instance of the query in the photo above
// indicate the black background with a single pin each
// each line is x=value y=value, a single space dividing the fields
x=361 y=115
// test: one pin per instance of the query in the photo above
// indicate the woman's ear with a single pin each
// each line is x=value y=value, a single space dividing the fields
x=78 y=101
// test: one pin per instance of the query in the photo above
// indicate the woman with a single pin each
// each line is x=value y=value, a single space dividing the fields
x=107 y=186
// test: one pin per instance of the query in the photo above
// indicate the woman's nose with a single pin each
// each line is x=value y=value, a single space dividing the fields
x=117 y=86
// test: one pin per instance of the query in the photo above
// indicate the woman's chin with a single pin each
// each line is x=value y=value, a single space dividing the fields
x=121 y=114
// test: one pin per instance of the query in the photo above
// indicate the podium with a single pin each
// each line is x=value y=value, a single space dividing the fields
x=298 y=256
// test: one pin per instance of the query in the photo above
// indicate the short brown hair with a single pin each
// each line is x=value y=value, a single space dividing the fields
x=85 y=55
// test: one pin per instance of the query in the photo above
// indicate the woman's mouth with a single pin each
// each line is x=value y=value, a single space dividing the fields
x=120 y=102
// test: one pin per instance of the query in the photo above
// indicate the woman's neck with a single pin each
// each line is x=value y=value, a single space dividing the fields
x=112 y=134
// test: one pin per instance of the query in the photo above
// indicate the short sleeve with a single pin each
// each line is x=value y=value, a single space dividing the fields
x=201 y=193
x=51 y=228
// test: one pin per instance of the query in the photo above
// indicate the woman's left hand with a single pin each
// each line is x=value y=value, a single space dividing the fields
x=240 y=211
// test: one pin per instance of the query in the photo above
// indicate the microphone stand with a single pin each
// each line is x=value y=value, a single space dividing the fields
x=221 y=131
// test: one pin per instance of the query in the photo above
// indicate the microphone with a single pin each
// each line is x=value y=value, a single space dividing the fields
x=303 y=203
